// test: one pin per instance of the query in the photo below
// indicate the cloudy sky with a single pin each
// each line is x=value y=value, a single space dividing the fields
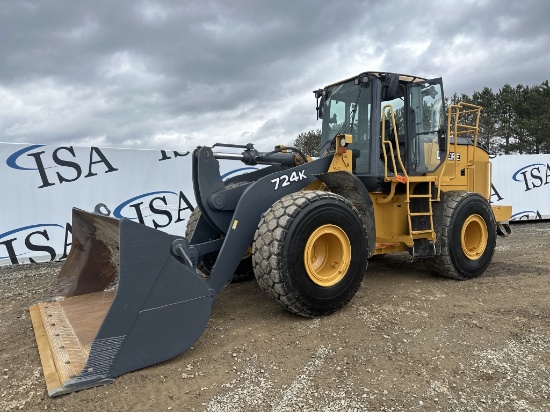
x=177 y=74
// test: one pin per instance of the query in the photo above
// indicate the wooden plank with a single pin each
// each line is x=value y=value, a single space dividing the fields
x=51 y=376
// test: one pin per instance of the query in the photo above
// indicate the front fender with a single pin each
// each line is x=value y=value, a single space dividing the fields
x=256 y=199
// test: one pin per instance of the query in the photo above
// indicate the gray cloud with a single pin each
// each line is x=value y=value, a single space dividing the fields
x=170 y=74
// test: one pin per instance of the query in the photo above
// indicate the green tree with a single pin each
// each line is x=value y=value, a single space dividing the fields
x=513 y=120
x=506 y=99
x=489 y=117
x=533 y=120
x=308 y=142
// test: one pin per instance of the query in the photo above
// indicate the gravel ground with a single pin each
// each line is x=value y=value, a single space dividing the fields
x=408 y=341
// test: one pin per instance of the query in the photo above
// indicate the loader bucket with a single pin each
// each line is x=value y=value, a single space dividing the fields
x=122 y=301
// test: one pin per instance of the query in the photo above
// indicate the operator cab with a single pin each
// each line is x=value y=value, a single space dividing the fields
x=407 y=111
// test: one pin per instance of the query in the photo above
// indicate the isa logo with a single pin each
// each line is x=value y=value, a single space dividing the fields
x=44 y=239
x=63 y=164
x=533 y=176
x=155 y=209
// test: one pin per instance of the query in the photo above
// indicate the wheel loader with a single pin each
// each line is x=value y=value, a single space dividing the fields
x=397 y=172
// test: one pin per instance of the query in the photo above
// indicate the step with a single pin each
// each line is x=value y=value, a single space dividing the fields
x=428 y=195
x=420 y=214
x=421 y=232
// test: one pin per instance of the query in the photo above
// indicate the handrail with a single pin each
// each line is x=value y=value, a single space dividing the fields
x=456 y=113
x=384 y=142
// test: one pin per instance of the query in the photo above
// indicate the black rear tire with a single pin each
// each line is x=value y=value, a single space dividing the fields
x=243 y=272
x=310 y=252
x=468 y=236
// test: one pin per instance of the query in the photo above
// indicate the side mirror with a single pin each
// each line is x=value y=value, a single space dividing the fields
x=320 y=106
x=320 y=94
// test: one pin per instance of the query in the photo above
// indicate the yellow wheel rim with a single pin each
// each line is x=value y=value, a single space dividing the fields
x=327 y=255
x=473 y=238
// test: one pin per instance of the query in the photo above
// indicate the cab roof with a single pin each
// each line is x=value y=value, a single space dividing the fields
x=406 y=78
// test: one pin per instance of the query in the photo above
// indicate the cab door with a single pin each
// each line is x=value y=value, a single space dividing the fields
x=425 y=117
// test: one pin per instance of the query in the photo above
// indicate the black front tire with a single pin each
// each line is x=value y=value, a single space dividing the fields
x=287 y=240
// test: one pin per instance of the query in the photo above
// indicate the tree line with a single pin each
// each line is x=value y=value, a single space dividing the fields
x=514 y=120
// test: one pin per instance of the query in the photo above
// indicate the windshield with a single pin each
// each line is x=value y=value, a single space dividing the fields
x=347 y=109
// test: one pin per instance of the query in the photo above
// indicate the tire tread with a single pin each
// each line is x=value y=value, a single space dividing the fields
x=268 y=244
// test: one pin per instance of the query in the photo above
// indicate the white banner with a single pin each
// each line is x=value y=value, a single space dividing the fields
x=41 y=184
x=523 y=182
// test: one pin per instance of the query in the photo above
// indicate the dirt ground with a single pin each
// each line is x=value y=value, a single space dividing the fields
x=408 y=341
